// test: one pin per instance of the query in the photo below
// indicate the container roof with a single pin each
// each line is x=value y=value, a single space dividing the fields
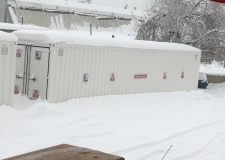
x=98 y=39
x=8 y=37
x=79 y=7
x=15 y=27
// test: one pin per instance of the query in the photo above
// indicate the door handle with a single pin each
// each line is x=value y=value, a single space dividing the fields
x=33 y=79
x=19 y=76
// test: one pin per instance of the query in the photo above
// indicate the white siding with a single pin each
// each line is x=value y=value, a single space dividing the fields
x=68 y=21
x=7 y=73
x=66 y=72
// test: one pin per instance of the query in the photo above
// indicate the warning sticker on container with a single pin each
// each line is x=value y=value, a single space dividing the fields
x=164 y=75
x=16 y=90
x=182 y=75
x=18 y=53
x=4 y=51
x=112 y=78
x=138 y=76
x=35 y=93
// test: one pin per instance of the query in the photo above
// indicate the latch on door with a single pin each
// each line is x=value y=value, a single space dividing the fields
x=32 y=78
x=19 y=76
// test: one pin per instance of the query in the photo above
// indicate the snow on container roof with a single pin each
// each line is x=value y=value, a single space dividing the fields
x=79 y=38
x=8 y=37
x=15 y=27
x=79 y=7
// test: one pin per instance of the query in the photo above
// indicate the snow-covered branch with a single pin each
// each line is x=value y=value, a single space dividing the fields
x=199 y=23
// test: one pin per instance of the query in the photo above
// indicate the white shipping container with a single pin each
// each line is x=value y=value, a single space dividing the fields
x=7 y=67
x=63 y=65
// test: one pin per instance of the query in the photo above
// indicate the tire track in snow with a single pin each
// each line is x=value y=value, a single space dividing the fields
x=168 y=138
x=192 y=155
x=161 y=152
x=196 y=153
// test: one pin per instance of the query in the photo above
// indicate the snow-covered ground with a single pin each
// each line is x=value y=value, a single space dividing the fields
x=137 y=127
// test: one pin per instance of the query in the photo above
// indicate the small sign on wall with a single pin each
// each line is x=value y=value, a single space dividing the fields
x=164 y=75
x=16 y=90
x=85 y=77
x=139 y=76
x=35 y=93
x=38 y=55
x=18 y=53
x=182 y=74
x=112 y=77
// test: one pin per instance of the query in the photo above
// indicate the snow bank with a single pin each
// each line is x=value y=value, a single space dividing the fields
x=42 y=110
x=218 y=90
x=15 y=27
x=202 y=77
x=216 y=68
x=72 y=37
x=8 y=37
x=7 y=110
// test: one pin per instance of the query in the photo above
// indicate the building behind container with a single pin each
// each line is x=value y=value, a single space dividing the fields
x=68 y=15
x=7 y=67
x=63 y=65
x=3 y=11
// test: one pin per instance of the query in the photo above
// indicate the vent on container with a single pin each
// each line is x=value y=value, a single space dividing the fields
x=60 y=52
x=196 y=57
x=4 y=51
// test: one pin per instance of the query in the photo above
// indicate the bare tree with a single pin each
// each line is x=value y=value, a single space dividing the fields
x=199 y=23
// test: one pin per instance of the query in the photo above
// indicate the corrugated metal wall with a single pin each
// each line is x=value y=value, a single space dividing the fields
x=3 y=10
x=68 y=21
x=66 y=72
x=7 y=72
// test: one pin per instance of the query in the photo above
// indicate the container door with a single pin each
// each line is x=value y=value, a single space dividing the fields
x=20 y=74
x=37 y=80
